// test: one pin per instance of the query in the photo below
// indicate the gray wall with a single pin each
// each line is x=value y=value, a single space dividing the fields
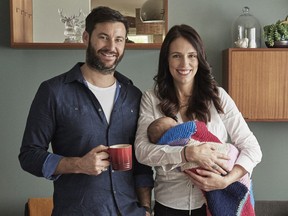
x=22 y=70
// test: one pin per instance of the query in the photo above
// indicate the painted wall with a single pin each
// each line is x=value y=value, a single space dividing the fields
x=22 y=70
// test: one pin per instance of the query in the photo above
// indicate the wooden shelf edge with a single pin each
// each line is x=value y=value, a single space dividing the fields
x=48 y=45
x=256 y=49
x=76 y=46
x=266 y=120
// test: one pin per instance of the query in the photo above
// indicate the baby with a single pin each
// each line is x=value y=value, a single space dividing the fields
x=166 y=131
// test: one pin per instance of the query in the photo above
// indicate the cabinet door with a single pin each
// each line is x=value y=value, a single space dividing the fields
x=257 y=80
x=17 y=12
x=21 y=21
x=28 y=21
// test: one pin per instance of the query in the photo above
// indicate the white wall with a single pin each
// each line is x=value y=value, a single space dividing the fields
x=47 y=26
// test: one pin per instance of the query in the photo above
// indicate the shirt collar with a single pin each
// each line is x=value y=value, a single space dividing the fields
x=75 y=74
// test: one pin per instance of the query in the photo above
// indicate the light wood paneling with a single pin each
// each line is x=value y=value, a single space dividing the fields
x=257 y=80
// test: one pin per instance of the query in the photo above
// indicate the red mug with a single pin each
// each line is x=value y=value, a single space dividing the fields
x=121 y=157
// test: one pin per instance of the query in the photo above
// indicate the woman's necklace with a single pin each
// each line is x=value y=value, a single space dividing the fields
x=183 y=102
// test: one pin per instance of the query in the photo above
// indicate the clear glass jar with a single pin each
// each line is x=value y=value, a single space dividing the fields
x=246 y=31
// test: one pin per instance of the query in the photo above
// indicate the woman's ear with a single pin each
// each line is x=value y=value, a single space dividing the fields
x=85 y=38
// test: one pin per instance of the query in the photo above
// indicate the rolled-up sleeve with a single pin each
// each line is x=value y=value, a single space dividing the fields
x=50 y=166
x=38 y=132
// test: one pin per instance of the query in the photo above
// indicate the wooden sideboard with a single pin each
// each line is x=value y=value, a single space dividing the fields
x=257 y=80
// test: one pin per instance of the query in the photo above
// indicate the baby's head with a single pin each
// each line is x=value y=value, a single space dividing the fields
x=158 y=127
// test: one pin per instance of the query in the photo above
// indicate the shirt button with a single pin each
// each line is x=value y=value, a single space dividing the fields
x=100 y=110
x=114 y=192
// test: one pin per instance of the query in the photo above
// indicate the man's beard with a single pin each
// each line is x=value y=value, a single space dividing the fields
x=95 y=62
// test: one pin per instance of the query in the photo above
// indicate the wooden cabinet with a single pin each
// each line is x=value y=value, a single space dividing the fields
x=21 y=21
x=257 y=80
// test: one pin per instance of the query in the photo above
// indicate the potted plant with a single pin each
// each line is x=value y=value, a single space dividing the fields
x=276 y=35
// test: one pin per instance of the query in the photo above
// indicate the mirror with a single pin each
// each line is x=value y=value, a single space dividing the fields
x=38 y=25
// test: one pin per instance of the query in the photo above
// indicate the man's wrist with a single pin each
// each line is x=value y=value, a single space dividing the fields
x=147 y=209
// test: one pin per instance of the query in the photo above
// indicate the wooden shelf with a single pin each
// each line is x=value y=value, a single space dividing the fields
x=77 y=45
x=21 y=24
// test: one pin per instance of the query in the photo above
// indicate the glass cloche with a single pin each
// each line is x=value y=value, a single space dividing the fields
x=246 y=31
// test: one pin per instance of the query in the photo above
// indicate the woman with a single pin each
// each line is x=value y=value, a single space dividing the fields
x=185 y=89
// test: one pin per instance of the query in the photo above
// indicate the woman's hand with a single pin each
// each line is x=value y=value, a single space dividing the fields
x=208 y=181
x=206 y=156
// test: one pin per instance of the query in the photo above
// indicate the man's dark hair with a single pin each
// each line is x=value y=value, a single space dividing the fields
x=104 y=14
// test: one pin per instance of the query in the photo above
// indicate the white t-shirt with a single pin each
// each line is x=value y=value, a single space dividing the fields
x=105 y=96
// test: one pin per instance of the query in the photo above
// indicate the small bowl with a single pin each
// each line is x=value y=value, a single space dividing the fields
x=278 y=44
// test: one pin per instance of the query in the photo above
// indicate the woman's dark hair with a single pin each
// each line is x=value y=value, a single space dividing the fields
x=104 y=14
x=205 y=88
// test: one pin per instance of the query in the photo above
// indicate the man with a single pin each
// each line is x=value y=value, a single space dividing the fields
x=81 y=113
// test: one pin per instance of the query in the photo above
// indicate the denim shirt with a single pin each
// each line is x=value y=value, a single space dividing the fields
x=66 y=114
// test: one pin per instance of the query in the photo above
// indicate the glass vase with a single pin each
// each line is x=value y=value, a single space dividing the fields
x=246 y=31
